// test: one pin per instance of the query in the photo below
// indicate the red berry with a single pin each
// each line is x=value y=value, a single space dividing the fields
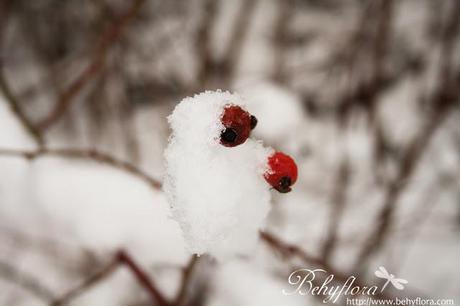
x=238 y=124
x=282 y=172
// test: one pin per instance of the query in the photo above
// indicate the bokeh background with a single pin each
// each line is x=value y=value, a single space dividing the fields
x=363 y=94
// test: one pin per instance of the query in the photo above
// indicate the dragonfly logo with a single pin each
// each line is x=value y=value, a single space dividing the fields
x=398 y=283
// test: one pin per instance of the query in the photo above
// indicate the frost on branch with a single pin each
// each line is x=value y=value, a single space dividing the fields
x=217 y=193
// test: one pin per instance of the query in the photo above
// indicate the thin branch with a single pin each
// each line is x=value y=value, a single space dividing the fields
x=237 y=39
x=108 y=38
x=290 y=250
x=25 y=281
x=203 y=42
x=280 y=33
x=366 y=92
x=11 y=98
x=15 y=107
x=86 y=284
x=143 y=278
x=186 y=276
x=121 y=258
x=442 y=101
x=89 y=154
x=338 y=206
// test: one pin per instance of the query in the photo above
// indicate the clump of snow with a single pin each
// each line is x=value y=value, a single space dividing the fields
x=218 y=194
x=104 y=209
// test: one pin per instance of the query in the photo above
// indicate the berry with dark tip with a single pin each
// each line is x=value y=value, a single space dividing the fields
x=282 y=172
x=238 y=124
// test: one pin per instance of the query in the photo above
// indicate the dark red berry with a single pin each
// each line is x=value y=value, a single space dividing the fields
x=282 y=172
x=237 y=123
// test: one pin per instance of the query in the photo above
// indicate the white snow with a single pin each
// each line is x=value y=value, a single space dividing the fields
x=217 y=194
x=78 y=205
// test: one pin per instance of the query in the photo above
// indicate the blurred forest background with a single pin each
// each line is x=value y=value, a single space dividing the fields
x=363 y=94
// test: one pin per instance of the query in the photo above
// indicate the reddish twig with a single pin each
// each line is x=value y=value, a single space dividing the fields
x=442 y=100
x=223 y=69
x=121 y=258
x=108 y=38
x=238 y=36
x=25 y=281
x=281 y=32
x=186 y=276
x=203 y=42
x=143 y=278
x=88 y=154
x=11 y=98
x=337 y=208
x=290 y=250
x=16 y=108
x=86 y=284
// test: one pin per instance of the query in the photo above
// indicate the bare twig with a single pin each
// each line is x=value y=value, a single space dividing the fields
x=5 y=88
x=366 y=92
x=15 y=107
x=338 y=205
x=89 y=154
x=108 y=38
x=223 y=69
x=85 y=285
x=203 y=42
x=281 y=31
x=442 y=100
x=25 y=281
x=290 y=250
x=121 y=258
x=143 y=278
x=185 y=282
x=237 y=39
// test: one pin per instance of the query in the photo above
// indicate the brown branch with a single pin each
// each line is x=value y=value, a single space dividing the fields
x=26 y=282
x=237 y=39
x=442 y=100
x=186 y=276
x=281 y=32
x=381 y=40
x=121 y=258
x=85 y=285
x=221 y=71
x=290 y=250
x=88 y=154
x=143 y=278
x=395 y=189
x=366 y=92
x=203 y=43
x=15 y=107
x=11 y=98
x=108 y=38
x=338 y=206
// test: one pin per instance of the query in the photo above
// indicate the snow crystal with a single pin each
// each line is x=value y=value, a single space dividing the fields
x=218 y=194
